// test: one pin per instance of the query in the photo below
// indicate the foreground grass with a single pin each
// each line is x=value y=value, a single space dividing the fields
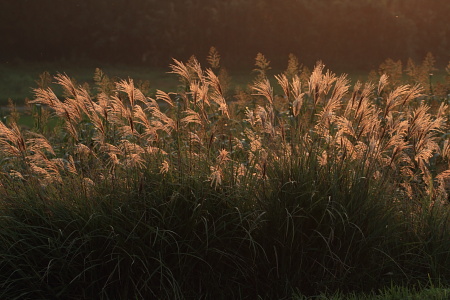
x=195 y=242
x=200 y=244
x=189 y=196
x=392 y=293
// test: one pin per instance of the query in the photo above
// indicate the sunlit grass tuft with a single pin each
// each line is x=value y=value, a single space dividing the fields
x=327 y=187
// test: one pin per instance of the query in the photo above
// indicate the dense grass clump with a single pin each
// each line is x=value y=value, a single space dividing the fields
x=324 y=189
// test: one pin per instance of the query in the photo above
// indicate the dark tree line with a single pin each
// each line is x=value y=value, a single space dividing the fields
x=152 y=31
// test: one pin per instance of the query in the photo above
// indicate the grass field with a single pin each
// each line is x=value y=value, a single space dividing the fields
x=291 y=186
x=17 y=79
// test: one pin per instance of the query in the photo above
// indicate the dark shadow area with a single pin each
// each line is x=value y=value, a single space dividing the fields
x=355 y=34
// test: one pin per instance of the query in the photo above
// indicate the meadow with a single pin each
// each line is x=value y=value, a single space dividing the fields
x=303 y=184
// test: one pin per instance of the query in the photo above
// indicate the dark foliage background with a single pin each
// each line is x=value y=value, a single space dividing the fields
x=341 y=32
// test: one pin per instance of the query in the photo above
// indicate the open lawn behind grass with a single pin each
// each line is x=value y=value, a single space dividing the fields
x=326 y=187
x=18 y=79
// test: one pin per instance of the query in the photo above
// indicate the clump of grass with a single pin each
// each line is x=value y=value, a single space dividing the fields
x=327 y=187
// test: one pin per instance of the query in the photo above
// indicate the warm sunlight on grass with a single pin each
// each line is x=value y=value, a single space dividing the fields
x=210 y=149
x=202 y=192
